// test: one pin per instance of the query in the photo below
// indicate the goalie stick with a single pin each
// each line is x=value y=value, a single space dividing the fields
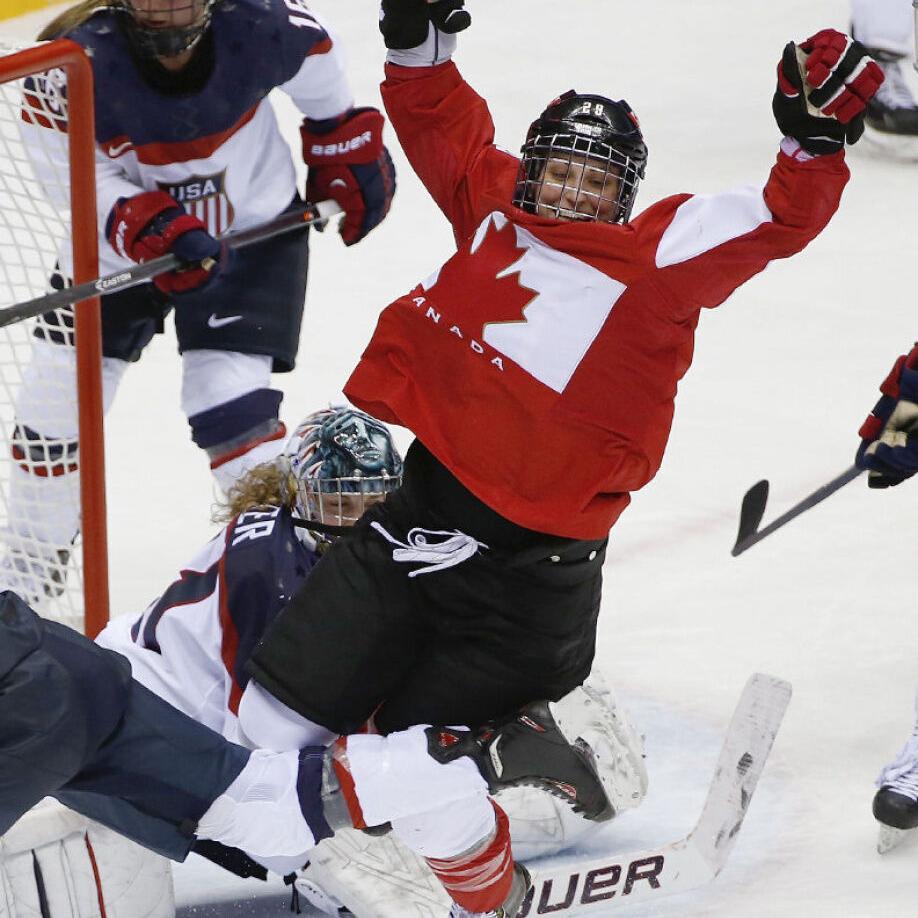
x=753 y=509
x=597 y=886
x=131 y=277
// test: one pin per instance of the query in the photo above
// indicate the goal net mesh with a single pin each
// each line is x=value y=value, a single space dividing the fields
x=40 y=554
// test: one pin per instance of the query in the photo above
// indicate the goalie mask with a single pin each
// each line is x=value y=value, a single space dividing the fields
x=583 y=159
x=166 y=28
x=343 y=461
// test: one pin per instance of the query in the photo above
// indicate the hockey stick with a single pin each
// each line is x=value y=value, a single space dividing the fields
x=753 y=509
x=285 y=223
x=597 y=886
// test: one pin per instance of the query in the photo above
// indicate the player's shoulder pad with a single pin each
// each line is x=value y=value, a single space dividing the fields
x=285 y=32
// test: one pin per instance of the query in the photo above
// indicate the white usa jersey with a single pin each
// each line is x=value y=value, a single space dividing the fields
x=217 y=148
x=191 y=645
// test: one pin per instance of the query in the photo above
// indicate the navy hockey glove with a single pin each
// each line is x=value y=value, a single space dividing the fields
x=152 y=224
x=348 y=163
x=824 y=86
x=405 y=23
x=889 y=436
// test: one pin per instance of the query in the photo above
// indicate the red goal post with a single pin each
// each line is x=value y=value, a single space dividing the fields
x=67 y=109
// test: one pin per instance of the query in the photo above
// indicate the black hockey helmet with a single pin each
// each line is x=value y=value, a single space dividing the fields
x=159 y=28
x=603 y=139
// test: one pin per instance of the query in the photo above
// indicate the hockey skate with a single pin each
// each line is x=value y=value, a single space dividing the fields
x=579 y=749
x=892 y=114
x=895 y=804
x=510 y=908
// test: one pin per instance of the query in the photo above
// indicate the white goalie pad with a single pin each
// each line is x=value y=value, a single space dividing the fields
x=55 y=862
x=371 y=876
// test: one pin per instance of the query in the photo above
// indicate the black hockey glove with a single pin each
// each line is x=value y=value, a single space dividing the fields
x=405 y=23
x=823 y=90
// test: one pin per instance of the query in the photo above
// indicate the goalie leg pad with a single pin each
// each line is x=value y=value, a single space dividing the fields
x=55 y=862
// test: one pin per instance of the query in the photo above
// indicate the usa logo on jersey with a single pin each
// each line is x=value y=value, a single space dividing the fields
x=204 y=197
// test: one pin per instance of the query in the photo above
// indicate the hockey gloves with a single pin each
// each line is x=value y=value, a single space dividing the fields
x=889 y=436
x=348 y=163
x=405 y=23
x=152 y=224
x=824 y=86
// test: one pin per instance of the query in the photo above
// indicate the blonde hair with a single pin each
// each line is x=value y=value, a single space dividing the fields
x=268 y=485
x=71 y=18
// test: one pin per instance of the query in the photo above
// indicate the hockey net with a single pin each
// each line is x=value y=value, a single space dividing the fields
x=52 y=510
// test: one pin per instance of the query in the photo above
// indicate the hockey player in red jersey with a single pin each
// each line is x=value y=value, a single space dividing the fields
x=538 y=369
x=188 y=148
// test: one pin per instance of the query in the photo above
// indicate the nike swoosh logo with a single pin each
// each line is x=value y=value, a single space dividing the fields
x=337 y=181
x=121 y=148
x=214 y=322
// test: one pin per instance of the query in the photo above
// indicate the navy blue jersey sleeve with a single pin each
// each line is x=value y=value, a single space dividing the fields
x=262 y=568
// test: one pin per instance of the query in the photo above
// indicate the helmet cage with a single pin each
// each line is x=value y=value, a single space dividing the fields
x=619 y=174
x=168 y=40
x=342 y=501
x=589 y=151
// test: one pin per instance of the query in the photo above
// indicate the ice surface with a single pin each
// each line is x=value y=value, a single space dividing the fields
x=784 y=374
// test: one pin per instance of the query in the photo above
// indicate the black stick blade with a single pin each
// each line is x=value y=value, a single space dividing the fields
x=751 y=513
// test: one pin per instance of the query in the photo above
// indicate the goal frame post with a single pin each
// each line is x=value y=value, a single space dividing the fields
x=71 y=58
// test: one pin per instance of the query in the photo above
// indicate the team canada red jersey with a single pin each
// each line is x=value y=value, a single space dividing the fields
x=540 y=362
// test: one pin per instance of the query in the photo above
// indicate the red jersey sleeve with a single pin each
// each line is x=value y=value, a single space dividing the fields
x=708 y=245
x=446 y=131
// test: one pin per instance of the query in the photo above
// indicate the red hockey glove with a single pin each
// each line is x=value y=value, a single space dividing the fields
x=827 y=109
x=350 y=164
x=152 y=224
x=889 y=436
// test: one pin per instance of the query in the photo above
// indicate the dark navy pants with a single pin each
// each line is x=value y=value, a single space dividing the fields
x=74 y=725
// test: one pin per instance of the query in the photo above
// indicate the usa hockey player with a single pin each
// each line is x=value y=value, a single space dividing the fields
x=889 y=451
x=75 y=725
x=885 y=27
x=189 y=147
x=191 y=646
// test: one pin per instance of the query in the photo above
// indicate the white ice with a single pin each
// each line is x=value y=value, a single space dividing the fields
x=784 y=373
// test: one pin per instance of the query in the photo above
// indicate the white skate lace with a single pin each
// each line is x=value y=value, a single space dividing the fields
x=453 y=548
x=894 y=93
x=901 y=775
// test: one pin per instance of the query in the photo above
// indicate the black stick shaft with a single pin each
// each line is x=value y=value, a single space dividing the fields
x=817 y=497
x=138 y=274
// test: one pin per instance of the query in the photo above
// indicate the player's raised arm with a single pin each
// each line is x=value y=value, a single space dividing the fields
x=713 y=243
x=443 y=125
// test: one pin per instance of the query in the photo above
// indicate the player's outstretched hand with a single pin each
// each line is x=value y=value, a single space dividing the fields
x=405 y=23
x=889 y=436
x=349 y=164
x=824 y=85
x=152 y=224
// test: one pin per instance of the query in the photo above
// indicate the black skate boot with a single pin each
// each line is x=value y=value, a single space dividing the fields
x=537 y=746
